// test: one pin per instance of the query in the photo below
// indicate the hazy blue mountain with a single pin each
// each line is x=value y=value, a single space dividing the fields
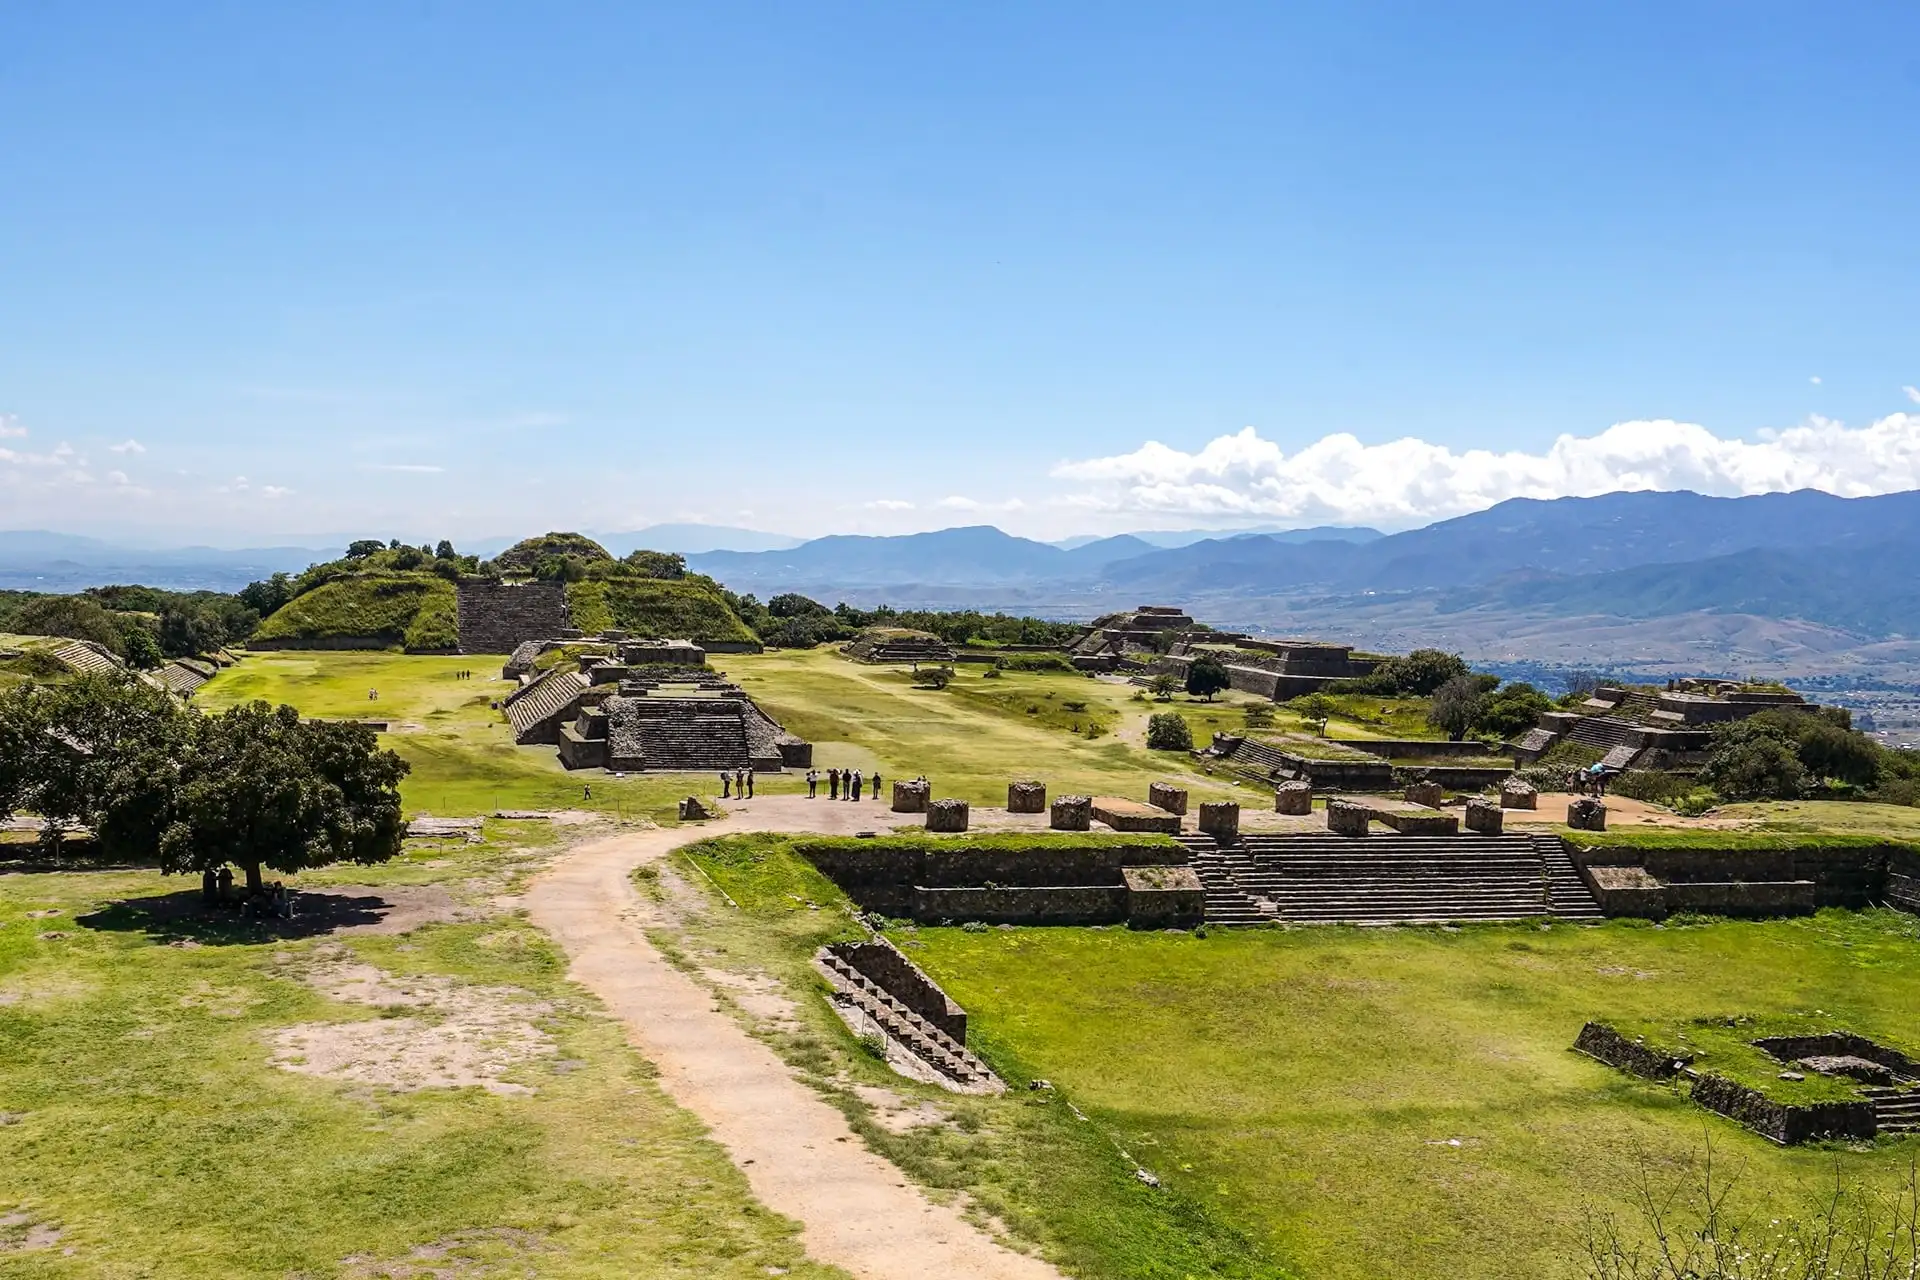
x=36 y=560
x=1186 y=537
x=972 y=556
x=694 y=539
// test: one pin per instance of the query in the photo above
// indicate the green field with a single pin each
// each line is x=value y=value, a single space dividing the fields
x=144 y=1125
x=1404 y=1102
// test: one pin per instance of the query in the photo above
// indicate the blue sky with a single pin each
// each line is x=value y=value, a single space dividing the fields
x=431 y=269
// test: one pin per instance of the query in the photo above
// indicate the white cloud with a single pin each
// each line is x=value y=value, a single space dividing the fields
x=127 y=446
x=10 y=427
x=889 y=504
x=420 y=468
x=1913 y=393
x=1815 y=380
x=274 y=491
x=1340 y=479
x=958 y=503
x=117 y=477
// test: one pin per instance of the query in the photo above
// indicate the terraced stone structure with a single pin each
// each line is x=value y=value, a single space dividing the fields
x=1650 y=729
x=498 y=617
x=651 y=728
x=898 y=645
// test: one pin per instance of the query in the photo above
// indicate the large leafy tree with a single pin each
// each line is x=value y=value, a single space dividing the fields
x=1457 y=705
x=261 y=788
x=1510 y=711
x=1206 y=676
x=1754 y=760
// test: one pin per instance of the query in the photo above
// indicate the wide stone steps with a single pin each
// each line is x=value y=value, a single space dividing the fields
x=1392 y=879
x=921 y=1038
x=1605 y=732
x=1894 y=1110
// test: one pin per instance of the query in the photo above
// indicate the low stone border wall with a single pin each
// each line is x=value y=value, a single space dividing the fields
x=1785 y=1124
x=1598 y=1040
x=1070 y=904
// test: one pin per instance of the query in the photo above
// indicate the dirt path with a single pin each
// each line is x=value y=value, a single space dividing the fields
x=857 y=1211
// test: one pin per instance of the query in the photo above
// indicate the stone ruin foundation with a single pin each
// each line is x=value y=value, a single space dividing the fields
x=1515 y=794
x=1295 y=798
x=1485 y=817
x=1344 y=818
x=947 y=815
x=1587 y=814
x=1072 y=813
x=1426 y=793
x=1220 y=819
x=911 y=797
x=1164 y=795
x=1026 y=797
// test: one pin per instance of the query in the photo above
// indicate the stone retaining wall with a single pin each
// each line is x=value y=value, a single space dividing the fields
x=1785 y=1124
x=1031 y=904
x=1598 y=1040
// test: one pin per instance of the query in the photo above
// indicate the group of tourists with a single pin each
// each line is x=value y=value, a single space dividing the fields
x=463 y=675
x=843 y=784
x=736 y=785
x=216 y=890
x=1591 y=781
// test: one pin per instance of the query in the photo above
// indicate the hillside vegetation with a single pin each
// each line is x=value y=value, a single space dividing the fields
x=414 y=610
x=686 y=608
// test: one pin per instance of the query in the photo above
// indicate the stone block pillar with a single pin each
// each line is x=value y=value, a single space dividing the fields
x=1294 y=798
x=1515 y=794
x=1072 y=813
x=1587 y=814
x=947 y=815
x=1220 y=819
x=1345 y=818
x=910 y=797
x=1426 y=793
x=1484 y=816
x=1164 y=795
x=1026 y=797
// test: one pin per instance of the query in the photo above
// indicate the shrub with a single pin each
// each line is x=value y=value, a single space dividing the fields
x=1457 y=705
x=1165 y=686
x=1752 y=761
x=1652 y=786
x=1509 y=712
x=1034 y=662
x=933 y=677
x=1168 y=731
x=1259 y=715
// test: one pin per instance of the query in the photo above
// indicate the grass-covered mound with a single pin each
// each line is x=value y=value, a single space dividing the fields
x=662 y=609
x=526 y=555
x=414 y=610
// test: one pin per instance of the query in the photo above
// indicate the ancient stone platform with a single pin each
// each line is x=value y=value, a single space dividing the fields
x=1131 y=815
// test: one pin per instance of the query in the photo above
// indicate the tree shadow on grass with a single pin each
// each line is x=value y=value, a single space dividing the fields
x=185 y=917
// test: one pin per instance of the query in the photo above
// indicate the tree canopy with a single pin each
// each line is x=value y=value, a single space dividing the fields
x=1206 y=676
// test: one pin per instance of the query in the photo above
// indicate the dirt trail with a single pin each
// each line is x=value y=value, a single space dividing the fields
x=857 y=1211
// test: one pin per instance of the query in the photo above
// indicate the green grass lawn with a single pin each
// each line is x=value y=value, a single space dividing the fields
x=142 y=1119
x=973 y=736
x=1403 y=1102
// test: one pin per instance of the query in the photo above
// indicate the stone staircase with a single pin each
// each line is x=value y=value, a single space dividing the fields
x=1895 y=1110
x=905 y=1027
x=1619 y=757
x=1568 y=896
x=1605 y=732
x=1387 y=879
x=537 y=710
x=498 y=617
x=686 y=733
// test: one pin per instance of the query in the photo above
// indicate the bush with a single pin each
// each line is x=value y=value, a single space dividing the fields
x=1259 y=715
x=1168 y=731
x=1754 y=761
x=933 y=677
x=1652 y=786
x=1509 y=712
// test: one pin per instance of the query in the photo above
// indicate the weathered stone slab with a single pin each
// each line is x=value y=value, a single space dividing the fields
x=1587 y=814
x=691 y=810
x=1485 y=817
x=1295 y=798
x=1345 y=818
x=1131 y=815
x=947 y=815
x=911 y=797
x=1220 y=818
x=1164 y=897
x=1515 y=794
x=1414 y=819
x=1426 y=793
x=1164 y=795
x=1026 y=797
x=1072 y=813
